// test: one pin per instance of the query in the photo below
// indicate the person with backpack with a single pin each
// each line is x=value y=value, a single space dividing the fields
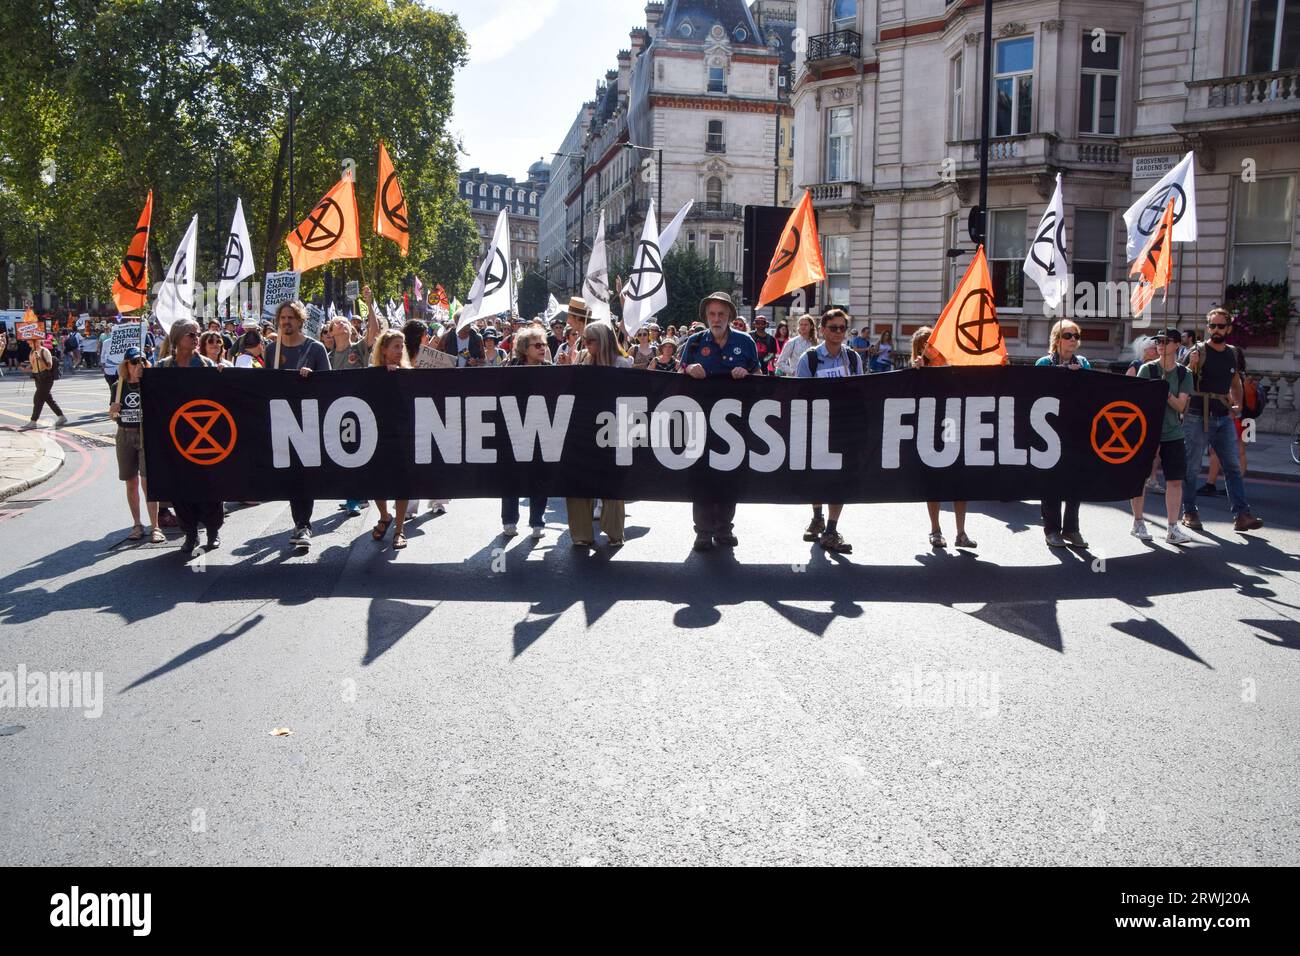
x=830 y=359
x=44 y=372
x=1216 y=403
x=1173 y=456
x=1252 y=406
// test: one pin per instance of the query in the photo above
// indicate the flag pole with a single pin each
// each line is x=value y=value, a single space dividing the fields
x=979 y=233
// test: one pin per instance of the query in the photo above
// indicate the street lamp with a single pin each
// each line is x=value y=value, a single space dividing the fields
x=659 y=173
x=582 y=204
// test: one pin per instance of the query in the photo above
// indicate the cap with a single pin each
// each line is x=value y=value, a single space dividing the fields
x=1173 y=334
x=131 y=354
x=491 y=333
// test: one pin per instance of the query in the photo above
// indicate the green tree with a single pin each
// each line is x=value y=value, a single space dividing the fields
x=690 y=278
x=532 y=295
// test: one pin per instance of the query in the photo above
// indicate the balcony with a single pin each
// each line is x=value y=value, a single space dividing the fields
x=715 y=146
x=835 y=195
x=1237 y=99
x=840 y=48
x=717 y=211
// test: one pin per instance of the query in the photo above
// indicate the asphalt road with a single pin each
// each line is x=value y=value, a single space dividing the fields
x=472 y=700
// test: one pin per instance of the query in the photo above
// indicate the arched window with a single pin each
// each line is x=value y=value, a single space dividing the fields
x=532 y=198
x=715 y=143
x=510 y=194
x=482 y=189
x=844 y=15
x=496 y=192
x=713 y=191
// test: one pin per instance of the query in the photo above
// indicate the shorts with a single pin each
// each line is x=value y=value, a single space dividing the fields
x=130 y=453
x=1173 y=460
x=1239 y=424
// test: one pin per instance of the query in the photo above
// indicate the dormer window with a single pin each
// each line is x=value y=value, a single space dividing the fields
x=685 y=30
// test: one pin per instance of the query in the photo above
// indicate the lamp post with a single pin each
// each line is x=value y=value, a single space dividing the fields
x=978 y=226
x=659 y=174
x=582 y=206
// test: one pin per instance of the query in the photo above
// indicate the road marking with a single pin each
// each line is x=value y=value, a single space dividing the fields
x=66 y=429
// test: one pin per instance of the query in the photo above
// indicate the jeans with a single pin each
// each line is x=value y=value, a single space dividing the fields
x=1222 y=437
x=536 y=511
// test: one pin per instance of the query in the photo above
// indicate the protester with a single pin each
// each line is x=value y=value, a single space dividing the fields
x=925 y=356
x=127 y=411
x=294 y=351
x=765 y=345
x=212 y=346
x=1252 y=405
x=466 y=344
x=493 y=355
x=251 y=351
x=1144 y=347
x=89 y=349
x=570 y=348
x=882 y=353
x=666 y=360
x=716 y=352
x=44 y=372
x=530 y=351
x=642 y=352
x=795 y=347
x=830 y=360
x=390 y=352
x=346 y=351
x=1216 y=402
x=183 y=352
x=1061 y=519
x=1173 y=455
x=71 y=350
x=1189 y=343
x=556 y=337
x=602 y=350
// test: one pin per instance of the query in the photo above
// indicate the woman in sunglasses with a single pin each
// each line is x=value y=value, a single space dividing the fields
x=601 y=349
x=925 y=355
x=643 y=351
x=1061 y=519
x=530 y=351
x=127 y=412
x=183 y=345
x=570 y=348
x=390 y=352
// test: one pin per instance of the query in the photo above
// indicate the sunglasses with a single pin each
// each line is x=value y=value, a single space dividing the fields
x=1071 y=335
x=538 y=345
x=1218 y=325
x=836 y=328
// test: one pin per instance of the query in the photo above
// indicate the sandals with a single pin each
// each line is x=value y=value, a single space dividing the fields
x=137 y=532
x=399 y=541
x=381 y=528
x=964 y=542
x=156 y=536
x=936 y=540
x=834 y=542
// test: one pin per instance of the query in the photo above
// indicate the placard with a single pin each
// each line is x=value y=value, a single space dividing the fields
x=120 y=338
x=431 y=357
x=278 y=288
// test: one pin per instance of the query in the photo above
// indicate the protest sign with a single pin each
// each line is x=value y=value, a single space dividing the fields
x=277 y=288
x=120 y=338
x=431 y=357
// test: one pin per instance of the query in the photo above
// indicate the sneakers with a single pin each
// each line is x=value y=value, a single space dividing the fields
x=214 y=541
x=536 y=533
x=1246 y=522
x=1177 y=535
x=1054 y=540
x=834 y=542
x=189 y=545
x=726 y=540
x=1074 y=539
x=1153 y=485
x=1141 y=532
x=703 y=541
x=28 y=426
x=60 y=421
x=815 y=528
x=438 y=507
x=1192 y=519
x=301 y=537
x=509 y=530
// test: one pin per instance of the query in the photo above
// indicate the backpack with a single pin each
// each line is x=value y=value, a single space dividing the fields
x=855 y=361
x=1252 y=403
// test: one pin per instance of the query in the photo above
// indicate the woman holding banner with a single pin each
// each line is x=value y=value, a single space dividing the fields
x=127 y=411
x=1061 y=519
x=923 y=356
x=530 y=350
x=601 y=349
x=390 y=353
x=183 y=352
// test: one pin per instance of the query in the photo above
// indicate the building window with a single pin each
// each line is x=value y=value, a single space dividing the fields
x=1099 y=87
x=532 y=198
x=1014 y=87
x=717 y=80
x=713 y=191
x=844 y=15
x=838 y=255
x=839 y=144
x=714 y=143
x=717 y=250
x=1261 y=230
x=496 y=192
x=510 y=195
x=1272 y=35
x=1091 y=256
x=956 y=236
x=955 y=102
x=1007 y=257
x=482 y=189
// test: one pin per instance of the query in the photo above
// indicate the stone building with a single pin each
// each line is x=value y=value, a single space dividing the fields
x=1109 y=94
x=700 y=91
x=488 y=193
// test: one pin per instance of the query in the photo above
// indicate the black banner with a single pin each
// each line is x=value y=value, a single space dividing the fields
x=965 y=434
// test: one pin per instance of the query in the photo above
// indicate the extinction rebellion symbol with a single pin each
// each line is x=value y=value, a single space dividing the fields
x=1155 y=209
x=1113 y=432
x=785 y=256
x=647 y=264
x=203 y=431
x=1045 y=237
x=131 y=274
x=497 y=273
x=974 y=320
x=326 y=226
x=234 y=257
x=395 y=213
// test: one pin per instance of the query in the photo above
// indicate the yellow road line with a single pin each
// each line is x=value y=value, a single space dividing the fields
x=66 y=428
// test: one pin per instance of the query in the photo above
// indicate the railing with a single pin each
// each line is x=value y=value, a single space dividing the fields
x=1282 y=86
x=716 y=210
x=1101 y=153
x=834 y=46
x=833 y=194
x=715 y=146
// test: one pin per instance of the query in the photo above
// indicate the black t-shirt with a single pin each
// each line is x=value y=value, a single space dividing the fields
x=1216 y=371
x=128 y=416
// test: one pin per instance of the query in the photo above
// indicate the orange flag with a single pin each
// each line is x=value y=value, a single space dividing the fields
x=1154 y=265
x=330 y=231
x=968 y=332
x=390 y=203
x=131 y=287
x=797 y=261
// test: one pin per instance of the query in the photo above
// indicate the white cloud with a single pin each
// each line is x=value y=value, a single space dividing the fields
x=512 y=24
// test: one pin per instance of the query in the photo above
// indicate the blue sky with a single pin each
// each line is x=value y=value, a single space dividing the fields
x=532 y=63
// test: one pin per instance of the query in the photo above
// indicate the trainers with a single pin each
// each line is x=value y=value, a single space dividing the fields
x=301 y=537
x=509 y=530
x=1153 y=485
x=27 y=427
x=814 y=529
x=1074 y=539
x=1192 y=519
x=1246 y=522
x=1207 y=489
x=726 y=540
x=214 y=541
x=189 y=545
x=1177 y=535
x=703 y=542
x=1054 y=540
x=1140 y=530
x=60 y=421
x=537 y=533
x=834 y=542
x=438 y=507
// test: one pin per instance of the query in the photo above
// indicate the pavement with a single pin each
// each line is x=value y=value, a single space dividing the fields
x=26 y=459
x=481 y=700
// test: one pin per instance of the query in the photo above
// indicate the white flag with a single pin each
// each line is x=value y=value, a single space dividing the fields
x=1046 y=262
x=176 y=295
x=237 y=261
x=553 y=308
x=490 y=292
x=595 y=288
x=645 y=292
x=669 y=235
x=1143 y=217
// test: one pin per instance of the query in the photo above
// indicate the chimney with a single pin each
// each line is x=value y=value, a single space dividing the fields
x=640 y=39
x=624 y=70
x=653 y=14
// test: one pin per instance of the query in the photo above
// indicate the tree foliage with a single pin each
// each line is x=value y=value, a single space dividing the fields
x=533 y=294
x=190 y=98
x=689 y=277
